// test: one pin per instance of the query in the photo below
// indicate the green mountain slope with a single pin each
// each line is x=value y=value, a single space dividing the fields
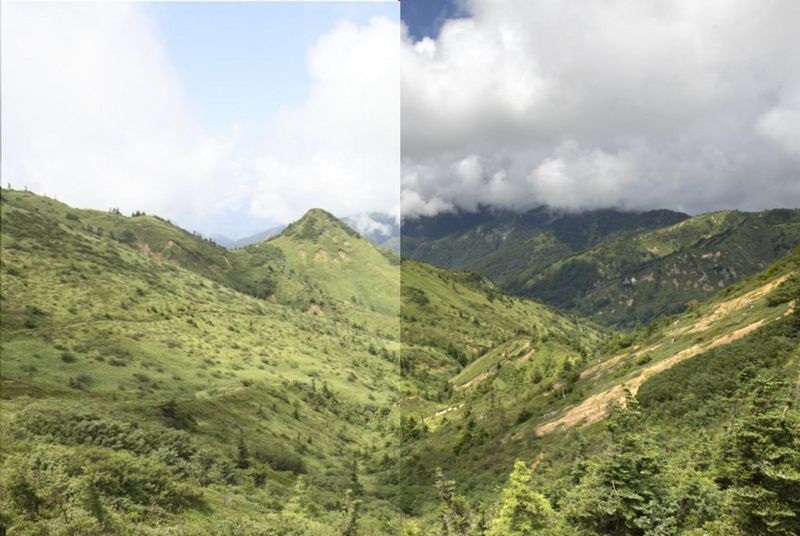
x=619 y=268
x=144 y=393
x=460 y=333
x=316 y=258
x=503 y=243
x=345 y=266
x=693 y=373
x=138 y=393
x=626 y=280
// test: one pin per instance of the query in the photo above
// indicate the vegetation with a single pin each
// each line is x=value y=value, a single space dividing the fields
x=661 y=462
x=146 y=393
x=621 y=269
x=154 y=383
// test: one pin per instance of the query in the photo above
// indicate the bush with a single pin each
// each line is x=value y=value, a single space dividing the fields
x=280 y=458
x=75 y=488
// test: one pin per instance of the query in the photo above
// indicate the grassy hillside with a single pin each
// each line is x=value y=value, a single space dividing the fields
x=186 y=390
x=460 y=335
x=139 y=394
x=321 y=249
x=317 y=257
x=695 y=375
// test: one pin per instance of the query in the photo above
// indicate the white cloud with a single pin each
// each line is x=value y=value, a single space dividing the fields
x=636 y=104
x=94 y=113
x=340 y=148
x=366 y=225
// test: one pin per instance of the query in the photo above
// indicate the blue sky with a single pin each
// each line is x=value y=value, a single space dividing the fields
x=226 y=118
x=424 y=18
x=245 y=61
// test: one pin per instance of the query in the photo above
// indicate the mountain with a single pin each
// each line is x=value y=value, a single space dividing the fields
x=582 y=407
x=328 y=260
x=616 y=267
x=137 y=375
x=222 y=240
x=255 y=238
x=503 y=243
x=380 y=229
x=316 y=384
x=629 y=279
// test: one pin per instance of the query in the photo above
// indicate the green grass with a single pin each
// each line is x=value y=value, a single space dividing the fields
x=97 y=330
x=185 y=390
x=476 y=433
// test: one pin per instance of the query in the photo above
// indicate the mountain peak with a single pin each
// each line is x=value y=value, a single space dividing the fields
x=319 y=214
x=314 y=223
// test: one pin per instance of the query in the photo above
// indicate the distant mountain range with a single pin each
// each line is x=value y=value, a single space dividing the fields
x=255 y=238
x=621 y=268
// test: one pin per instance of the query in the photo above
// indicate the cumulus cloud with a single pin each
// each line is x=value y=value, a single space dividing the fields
x=341 y=146
x=95 y=114
x=622 y=103
x=366 y=225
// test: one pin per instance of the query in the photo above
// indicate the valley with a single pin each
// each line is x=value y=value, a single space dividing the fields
x=313 y=383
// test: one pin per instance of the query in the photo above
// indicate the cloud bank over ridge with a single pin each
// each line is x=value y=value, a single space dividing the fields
x=677 y=104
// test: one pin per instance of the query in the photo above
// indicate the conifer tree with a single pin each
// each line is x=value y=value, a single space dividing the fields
x=624 y=492
x=453 y=514
x=523 y=511
x=303 y=501
x=242 y=454
x=763 y=463
x=351 y=508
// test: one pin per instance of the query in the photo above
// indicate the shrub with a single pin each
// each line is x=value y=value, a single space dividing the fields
x=280 y=458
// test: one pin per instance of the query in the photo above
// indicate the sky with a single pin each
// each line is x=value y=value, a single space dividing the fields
x=424 y=18
x=226 y=118
x=634 y=104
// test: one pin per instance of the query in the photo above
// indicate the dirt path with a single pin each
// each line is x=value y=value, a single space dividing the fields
x=737 y=303
x=611 y=361
x=447 y=410
x=476 y=380
x=595 y=407
x=524 y=359
x=480 y=378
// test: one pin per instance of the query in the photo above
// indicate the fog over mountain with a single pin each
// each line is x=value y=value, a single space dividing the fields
x=635 y=105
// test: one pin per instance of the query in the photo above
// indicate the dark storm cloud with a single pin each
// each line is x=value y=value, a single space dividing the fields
x=679 y=104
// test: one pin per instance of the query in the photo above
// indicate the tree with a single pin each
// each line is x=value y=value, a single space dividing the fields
x=242 y=454
x=623 y=493
x=350 y=511
x=356 y=488
x=762 y=463
x=453 y=513
x=303 y=500
x=522 y=511
x=410 y=528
